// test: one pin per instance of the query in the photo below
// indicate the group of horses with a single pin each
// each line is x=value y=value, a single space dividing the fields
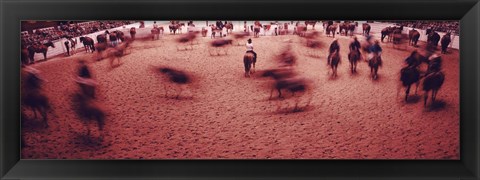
x=36 y=100
x=394 y=35
x=433 y=78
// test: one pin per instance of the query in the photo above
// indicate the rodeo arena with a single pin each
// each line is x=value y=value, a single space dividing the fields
x=240 y=89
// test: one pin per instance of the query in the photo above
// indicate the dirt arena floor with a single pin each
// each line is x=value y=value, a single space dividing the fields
x=225 y=115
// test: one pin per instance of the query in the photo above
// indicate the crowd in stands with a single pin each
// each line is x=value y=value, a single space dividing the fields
x=440 y=26
x=71 y=29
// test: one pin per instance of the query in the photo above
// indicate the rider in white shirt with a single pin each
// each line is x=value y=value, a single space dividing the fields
x=249 y=46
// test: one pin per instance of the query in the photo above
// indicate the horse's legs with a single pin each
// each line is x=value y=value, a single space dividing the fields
x=166 y=90
x=407 y=92
x=416 y=87
x=425 y=97
x=34 y=109
x=45 y=55
x=354 y=66
x=297 y=101
x=279 y=92
x=179 y=92
x=271 y=93
x=43 y=111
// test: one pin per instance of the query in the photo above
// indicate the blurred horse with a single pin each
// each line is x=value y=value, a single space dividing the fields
x=87 y=110
x=32 y=96
x=220 y=43
x=175 y=76
x=310 y=23
x=374 y=63
x=432 y=82
x=353 y=57
x=187 y=38
x=335 y=60
x=286 y=79
x=409 y=75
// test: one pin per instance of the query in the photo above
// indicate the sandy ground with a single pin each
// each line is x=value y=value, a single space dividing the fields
x=226 y=115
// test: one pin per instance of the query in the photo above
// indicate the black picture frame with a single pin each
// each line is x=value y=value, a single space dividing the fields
x=13 y=11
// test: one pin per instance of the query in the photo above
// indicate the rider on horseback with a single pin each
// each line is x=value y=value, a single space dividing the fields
x=412 y=60
x=333 y=47
x=249 y=46
x=84 y=79
x=435 y=64
x=355 y=45
x=374 y=50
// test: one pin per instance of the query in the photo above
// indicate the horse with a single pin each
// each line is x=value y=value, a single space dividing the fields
x=397 y=36
x=43 y=48
x=220 y=43
x=347 y=27
x=115 y=53
x=216 y=29
x=88 y=43
x=120 y=35
x=174 y=27
x=300 y=30
x=386 y=32
x=73 y=44
x=433 y=38
x=87 y=110
x=133 y=31
x=24 y=56
x=229 y=27
x=248 y=60
x=101 y=38
x=189 y=37
x=413 y=35
x=445 y=42
x=256 y=31
x=374 y=63
x=331 y=29
x=240 y=36
x=33 y=98
x=410 y=75
x=432 y=82
x=175 y=76
x=204 y=32
x=155 y=33
x=366 y=29
x=335 y=60
x=310 y=23
x=353 y=57
x=286 y=79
